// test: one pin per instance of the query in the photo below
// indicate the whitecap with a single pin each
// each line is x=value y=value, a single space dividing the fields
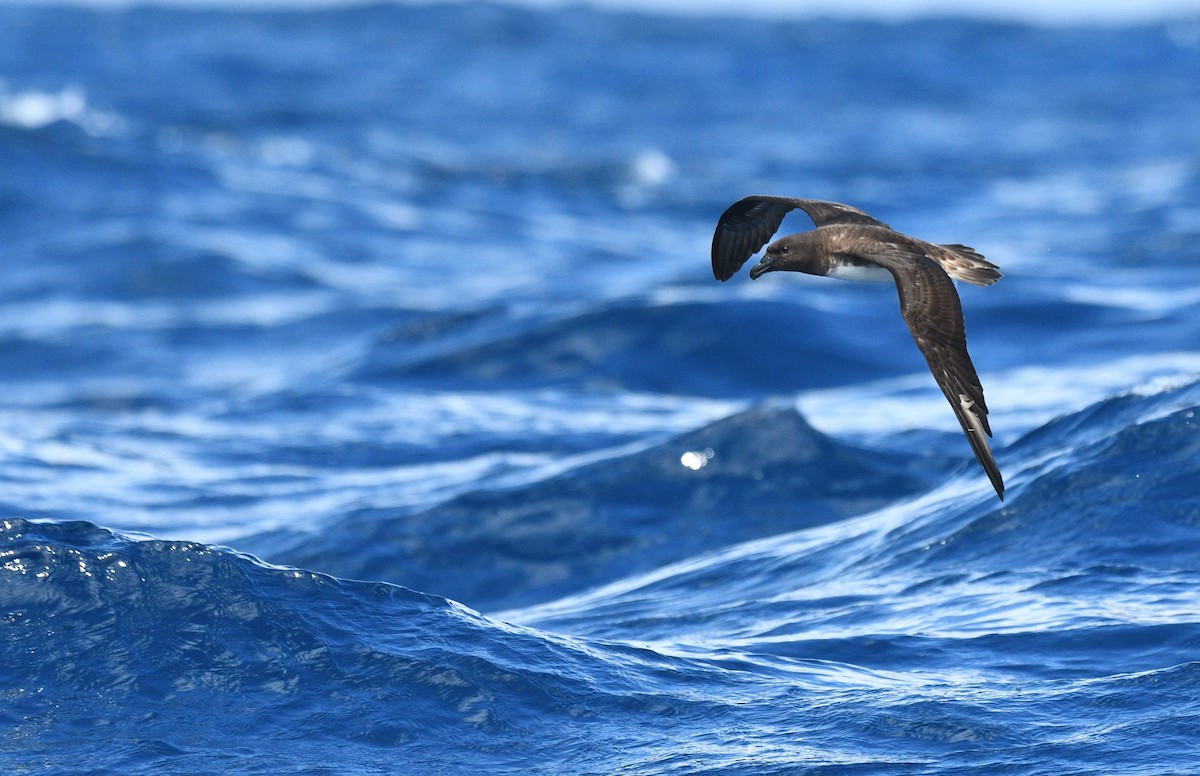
x=33 y=109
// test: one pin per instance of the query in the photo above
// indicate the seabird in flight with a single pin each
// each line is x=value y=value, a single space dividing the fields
x=849 y=244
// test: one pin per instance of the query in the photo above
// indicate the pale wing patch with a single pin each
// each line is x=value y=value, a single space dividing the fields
x=968 y=408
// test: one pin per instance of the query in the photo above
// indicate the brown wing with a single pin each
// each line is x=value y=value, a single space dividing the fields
x=749 y=223
x=931 y=308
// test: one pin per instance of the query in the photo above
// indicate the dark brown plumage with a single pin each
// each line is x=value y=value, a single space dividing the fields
x=848 y=243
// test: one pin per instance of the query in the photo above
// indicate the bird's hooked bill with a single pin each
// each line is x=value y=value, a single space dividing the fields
x=761 y=268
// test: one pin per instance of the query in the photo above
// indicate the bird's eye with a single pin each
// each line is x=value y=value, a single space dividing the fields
x=783 y=249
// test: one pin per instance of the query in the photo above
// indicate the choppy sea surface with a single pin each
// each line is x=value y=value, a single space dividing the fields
x=367 y=404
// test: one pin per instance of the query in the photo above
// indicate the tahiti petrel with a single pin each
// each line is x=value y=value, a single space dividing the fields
x=851 y=245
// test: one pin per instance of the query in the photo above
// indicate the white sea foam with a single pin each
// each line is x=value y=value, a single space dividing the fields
x=33 y=109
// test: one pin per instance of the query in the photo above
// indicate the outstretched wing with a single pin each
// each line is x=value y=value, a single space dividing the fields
x=931 y=308
x=749 y=223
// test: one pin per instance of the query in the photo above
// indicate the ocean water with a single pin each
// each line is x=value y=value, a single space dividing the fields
x=367 y=404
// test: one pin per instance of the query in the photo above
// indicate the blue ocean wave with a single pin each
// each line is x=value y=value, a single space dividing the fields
x=953 y=577
x=207 y=641
x=758 y=473
x=900 y=628
x=413 y=302
x=713 y=349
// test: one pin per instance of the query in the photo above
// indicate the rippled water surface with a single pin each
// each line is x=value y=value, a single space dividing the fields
x=367 y=404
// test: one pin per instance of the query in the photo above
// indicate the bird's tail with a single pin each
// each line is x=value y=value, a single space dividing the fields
x=965 y=263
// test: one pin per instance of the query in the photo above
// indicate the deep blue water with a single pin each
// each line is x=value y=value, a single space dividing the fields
x=350 y=361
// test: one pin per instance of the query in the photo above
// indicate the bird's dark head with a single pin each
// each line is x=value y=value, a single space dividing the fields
x=794 y=253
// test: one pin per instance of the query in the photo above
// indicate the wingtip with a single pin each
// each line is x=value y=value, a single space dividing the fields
x=997 y=483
